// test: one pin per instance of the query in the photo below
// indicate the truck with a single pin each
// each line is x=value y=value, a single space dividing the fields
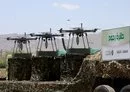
x=113 y=68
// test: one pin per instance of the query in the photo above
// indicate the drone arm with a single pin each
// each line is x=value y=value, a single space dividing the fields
x=58 y=35
x=31 y=38
x=63 y=31
x=94 y=30
x=32 y=34
x=12 y=38
x=60 y=30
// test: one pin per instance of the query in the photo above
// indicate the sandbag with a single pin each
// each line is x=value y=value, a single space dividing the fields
x=19 y=69
x=45 y=69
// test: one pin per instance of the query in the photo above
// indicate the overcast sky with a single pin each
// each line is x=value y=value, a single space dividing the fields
x=19 y=16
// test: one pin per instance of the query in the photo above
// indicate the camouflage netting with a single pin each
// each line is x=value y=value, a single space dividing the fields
x=45 y=68
x=19 y=69
x=26 y=86
x=117 y=69
x=84 y=80
x=73 y=63
x=48 y=68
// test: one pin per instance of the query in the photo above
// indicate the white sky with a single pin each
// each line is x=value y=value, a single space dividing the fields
x=19 y=16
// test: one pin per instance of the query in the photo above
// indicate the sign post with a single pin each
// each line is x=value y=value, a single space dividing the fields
x=116 y=44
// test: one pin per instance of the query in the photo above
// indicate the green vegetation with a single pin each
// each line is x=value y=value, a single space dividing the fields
x=3 y=59
x=2 y=64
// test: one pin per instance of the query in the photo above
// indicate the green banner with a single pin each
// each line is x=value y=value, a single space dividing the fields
x=117 y=36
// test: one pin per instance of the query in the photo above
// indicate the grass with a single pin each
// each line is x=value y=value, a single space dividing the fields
x=2 y=64
x=3 y=59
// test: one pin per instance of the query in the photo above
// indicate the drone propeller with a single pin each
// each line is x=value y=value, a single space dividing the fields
x=60 y=30
x=32 y=34
x=94 y=30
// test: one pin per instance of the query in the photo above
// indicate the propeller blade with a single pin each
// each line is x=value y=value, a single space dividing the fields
x=60 y=30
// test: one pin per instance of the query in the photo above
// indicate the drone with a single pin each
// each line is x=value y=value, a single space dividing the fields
x=19 y=42
x=79 y=32
x=45 y=37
